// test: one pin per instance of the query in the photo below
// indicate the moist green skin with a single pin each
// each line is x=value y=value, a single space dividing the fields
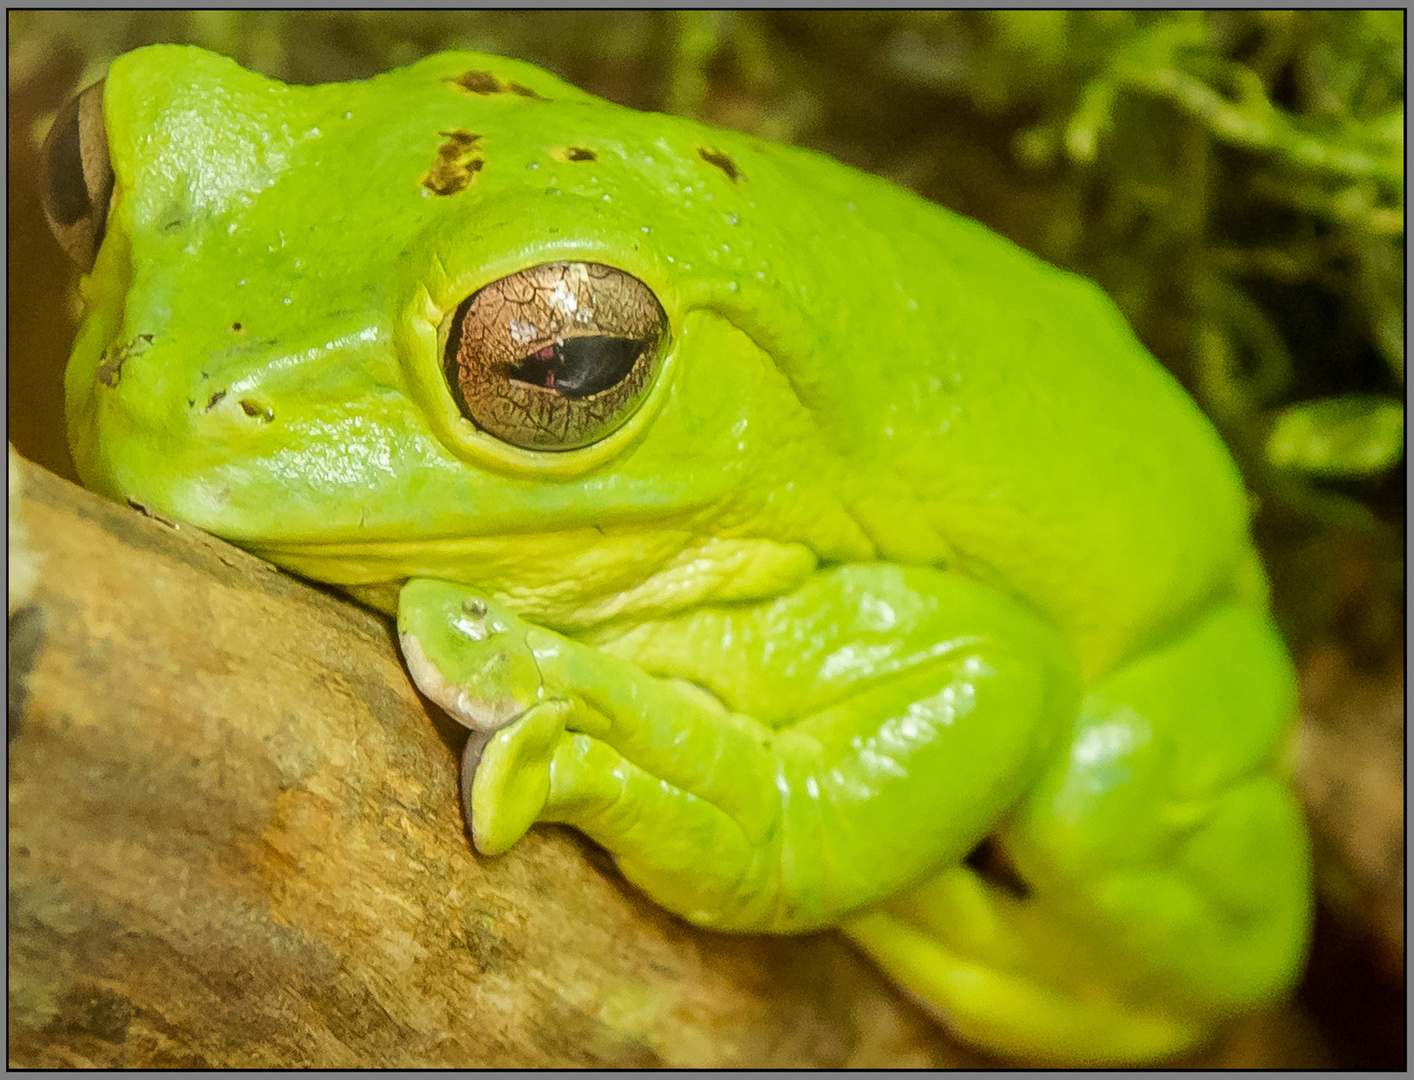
x=908 y=544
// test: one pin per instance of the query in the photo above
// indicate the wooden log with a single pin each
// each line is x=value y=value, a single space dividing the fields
x=234 y=841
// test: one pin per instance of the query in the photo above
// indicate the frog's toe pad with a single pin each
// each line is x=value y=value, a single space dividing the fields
x=467 y=653
x=462 y=705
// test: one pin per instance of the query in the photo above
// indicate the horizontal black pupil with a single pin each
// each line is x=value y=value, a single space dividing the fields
x=581 y=366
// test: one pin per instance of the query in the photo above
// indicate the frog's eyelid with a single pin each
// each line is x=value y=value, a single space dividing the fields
x=78 y=177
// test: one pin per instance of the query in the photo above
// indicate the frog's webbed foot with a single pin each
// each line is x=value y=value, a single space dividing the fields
x=486 y=667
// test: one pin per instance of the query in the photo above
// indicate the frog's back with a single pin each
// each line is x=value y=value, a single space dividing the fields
x=1010 y=406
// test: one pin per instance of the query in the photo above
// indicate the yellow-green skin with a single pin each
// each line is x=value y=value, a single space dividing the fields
x=910 y=544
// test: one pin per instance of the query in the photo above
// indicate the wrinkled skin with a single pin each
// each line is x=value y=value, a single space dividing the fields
x=829 y=560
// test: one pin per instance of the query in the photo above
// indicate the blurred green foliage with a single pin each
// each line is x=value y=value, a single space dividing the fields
x=1234 y=179
x=1352 y=435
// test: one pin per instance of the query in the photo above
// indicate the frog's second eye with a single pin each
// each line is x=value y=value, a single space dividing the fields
x=78 y=176
x=556 y=356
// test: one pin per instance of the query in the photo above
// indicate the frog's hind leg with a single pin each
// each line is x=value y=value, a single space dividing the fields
x=966 y=953
x=1161 y=877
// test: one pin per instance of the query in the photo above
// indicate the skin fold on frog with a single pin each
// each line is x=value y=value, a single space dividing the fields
x=825 y=557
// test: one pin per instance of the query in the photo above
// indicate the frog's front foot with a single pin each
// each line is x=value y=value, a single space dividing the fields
x=470 y=656
x=717 y=815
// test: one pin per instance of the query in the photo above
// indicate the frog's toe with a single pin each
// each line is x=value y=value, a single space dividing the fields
x=505 y=781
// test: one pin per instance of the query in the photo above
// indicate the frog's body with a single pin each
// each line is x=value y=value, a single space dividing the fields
x=906 y=542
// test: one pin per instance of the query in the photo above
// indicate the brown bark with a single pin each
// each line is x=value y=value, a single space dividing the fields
x=234 y=841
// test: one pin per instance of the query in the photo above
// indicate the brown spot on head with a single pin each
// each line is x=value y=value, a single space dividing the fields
x=477 y=82
x=111 y=370
x=574 y=153
x=457 y=163
x=486 y=83
x=459 y=139
x=719 y=160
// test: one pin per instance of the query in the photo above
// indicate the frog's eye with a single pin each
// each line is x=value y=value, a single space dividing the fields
x=78 y=177
x=556 y=356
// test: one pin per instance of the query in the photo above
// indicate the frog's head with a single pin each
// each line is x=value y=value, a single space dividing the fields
x=460 y=320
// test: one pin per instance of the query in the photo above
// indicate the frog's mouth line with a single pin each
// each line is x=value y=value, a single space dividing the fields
x=576 y=578
x=374 y=571
x=558 y=554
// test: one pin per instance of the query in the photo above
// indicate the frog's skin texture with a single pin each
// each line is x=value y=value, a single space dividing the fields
x=901 y=542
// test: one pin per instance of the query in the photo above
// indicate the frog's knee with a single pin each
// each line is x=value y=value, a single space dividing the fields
x=1167 y=831
x=1250 y=861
